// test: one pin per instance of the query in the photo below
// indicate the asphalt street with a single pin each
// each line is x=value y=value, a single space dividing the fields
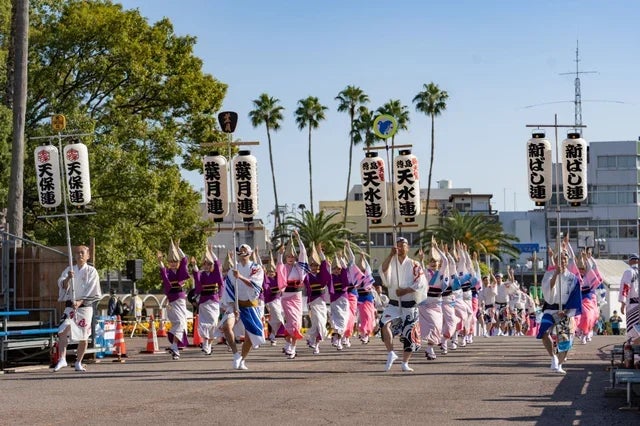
x=496 y=381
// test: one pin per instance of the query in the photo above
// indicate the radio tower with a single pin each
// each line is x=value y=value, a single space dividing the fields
x=578 y=97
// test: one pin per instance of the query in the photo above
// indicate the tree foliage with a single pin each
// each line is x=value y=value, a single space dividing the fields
x=309 y=114
x=141 y=94
x=479 y=233
x=319 y=228
x=431 y=101
x=268 y=111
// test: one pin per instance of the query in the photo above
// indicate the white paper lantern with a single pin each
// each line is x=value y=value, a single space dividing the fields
x=374 y=186
x=245 y=184
x=47 y=159
x=216 y=186
x=76 y=166
x=574 y=168
x=407 y=183
x=540 y=166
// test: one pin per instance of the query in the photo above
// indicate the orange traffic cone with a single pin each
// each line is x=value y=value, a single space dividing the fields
x=120 y=345
x=162 y=332
x=152 y=339
x=197 y=340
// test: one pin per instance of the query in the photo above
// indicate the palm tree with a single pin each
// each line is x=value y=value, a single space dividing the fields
x=363 y=128
x=309 y=114
x=318 y=228
x=398 y=111
x=401 y=113
x=348 y=100
x=431 y=101
x=268 y=112
x=480 y=233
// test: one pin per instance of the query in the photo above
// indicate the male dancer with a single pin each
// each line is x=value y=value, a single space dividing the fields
x=403 y=277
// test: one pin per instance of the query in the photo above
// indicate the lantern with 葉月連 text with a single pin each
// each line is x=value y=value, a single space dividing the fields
x=216 y=186
x=245 y=185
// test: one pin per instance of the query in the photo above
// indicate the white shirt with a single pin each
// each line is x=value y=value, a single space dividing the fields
x=86 y=284
x=408 y=274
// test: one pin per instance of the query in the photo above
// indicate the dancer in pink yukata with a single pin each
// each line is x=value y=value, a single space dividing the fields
x=590 y=308
x=316 y=283
x=291 y=276
x=430 y=309
x=361 y=279
x=209 y=285
x=173 y=280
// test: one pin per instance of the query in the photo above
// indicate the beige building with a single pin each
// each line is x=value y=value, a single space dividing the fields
x=443 y=200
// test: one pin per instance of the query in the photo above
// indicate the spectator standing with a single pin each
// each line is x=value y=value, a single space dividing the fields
x=615 y=321
x=115 y=305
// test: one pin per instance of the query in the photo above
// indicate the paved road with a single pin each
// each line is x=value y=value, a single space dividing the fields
x=495 y=381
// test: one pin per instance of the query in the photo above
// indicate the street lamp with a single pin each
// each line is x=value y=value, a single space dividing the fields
x=219 y=247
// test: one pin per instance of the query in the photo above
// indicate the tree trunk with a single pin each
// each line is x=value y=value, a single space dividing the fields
x=346 y=197
x=433 y=146
x=273 y=179
x=16 y=182
x=310 y=173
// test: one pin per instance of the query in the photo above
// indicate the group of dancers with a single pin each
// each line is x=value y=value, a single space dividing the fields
x=440 y=304
x=232 y=297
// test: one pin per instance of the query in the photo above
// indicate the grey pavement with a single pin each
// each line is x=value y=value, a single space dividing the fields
x=494 y=381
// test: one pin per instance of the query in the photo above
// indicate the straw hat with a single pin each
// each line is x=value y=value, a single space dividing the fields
x=314 y=257
x=290 y=250
x=271 y=266
x=228 y=262
x=209 y=255
x=172 y=253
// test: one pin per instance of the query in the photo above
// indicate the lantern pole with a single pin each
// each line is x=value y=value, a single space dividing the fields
x=59 y=123
x=228 y=121
x=555 y=126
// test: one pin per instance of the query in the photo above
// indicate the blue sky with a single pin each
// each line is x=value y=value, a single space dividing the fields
x=494 y=58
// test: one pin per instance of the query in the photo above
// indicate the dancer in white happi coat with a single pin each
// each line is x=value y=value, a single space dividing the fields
x=79 y=288
x=629 y=299
x=405 y=281
x=209 y=285
x=246 y=279
x=559 y=287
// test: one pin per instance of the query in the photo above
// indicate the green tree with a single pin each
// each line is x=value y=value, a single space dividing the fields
x=142 y=94
x=363 y=128
x=431 y=101
x=320 y=228
x=400 y=112
x=480 y=233
x=309 y=114
x=267 y=111
x=349 y=100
